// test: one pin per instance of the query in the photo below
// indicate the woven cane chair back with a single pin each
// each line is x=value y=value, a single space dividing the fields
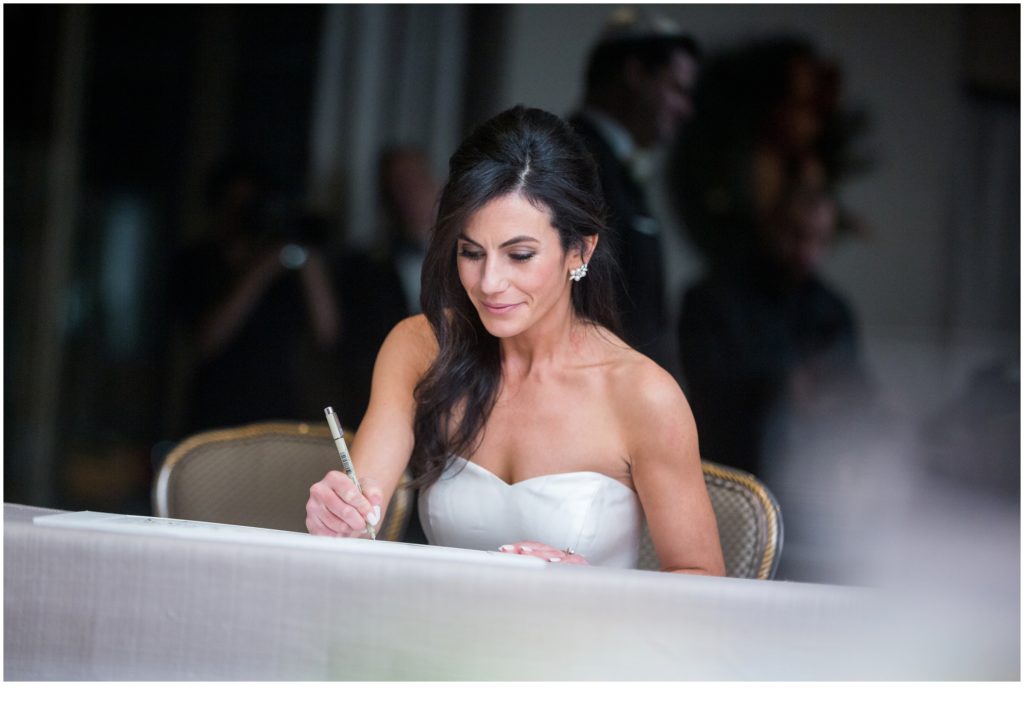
x=256 y=475
x=749 y=524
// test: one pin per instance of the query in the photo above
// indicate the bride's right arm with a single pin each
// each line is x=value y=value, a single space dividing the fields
x=384 y=441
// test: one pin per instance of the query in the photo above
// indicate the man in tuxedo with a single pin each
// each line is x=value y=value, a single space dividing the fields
x=639 y=80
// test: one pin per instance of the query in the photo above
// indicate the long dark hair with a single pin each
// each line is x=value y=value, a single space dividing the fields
x=537 y=155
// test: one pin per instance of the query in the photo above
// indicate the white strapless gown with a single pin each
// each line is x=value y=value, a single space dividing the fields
x=595 y=515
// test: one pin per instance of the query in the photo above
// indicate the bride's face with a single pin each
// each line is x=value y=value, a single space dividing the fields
x=512 y=265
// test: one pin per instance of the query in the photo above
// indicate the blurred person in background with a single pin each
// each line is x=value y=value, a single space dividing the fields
x=409 y=193
x=254 y=289
x=380 y=287
x=763 y=337
x=639 y=80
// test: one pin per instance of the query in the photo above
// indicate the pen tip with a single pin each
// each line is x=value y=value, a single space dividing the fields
x=329 y=410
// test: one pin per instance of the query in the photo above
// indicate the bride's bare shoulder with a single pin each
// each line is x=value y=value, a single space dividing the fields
x=414 y=329
x=646 y=392
x=411 y=343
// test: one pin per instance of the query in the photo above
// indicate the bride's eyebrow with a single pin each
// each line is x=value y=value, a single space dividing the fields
x=518 y=239
x=511 y=242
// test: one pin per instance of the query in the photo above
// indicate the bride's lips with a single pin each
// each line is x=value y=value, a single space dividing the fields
x=499 y=308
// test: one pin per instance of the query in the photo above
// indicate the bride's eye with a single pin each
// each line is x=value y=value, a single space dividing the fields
x=523 y=255
x=470 y=254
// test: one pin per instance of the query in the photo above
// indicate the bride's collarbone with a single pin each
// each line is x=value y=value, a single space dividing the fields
x=562 y=396
x=577 y=429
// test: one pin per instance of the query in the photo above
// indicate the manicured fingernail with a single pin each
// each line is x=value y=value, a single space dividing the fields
x=506 y=548
x=554 y=559
x=374 y=516
x=527 y=549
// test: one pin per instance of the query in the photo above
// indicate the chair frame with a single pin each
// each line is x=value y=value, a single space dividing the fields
x=161 y=486
x=773 y=551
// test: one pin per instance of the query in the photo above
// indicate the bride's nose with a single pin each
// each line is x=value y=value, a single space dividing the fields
x=494 y=278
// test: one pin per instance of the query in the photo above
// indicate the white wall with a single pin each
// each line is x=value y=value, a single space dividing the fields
x=902 y=63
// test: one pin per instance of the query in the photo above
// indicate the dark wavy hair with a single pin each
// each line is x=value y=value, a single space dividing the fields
x=539 y=156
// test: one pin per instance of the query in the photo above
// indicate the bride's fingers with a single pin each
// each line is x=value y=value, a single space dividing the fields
x=543 y=552
x=530 y=548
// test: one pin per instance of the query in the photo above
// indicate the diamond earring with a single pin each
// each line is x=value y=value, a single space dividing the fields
x=579 y=273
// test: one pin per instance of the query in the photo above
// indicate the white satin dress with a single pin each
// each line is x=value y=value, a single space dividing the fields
x=597 y=516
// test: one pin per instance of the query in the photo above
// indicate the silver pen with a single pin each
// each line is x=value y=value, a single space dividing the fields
x=346 y=459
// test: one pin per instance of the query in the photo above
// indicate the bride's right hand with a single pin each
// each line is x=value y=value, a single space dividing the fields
x=336 y=508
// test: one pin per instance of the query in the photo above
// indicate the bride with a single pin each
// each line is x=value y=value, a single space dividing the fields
x=530 y=427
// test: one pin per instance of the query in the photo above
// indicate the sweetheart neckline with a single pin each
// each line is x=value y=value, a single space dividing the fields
x=510 y=485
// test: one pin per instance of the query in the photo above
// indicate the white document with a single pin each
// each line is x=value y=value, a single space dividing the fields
x=227 y=533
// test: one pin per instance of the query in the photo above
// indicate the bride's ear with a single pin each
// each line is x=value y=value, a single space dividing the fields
x=587 y=247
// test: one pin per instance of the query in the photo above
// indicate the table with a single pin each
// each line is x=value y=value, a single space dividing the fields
x=84 y=604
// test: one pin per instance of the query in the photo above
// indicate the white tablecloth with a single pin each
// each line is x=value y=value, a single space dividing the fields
x=84 y=604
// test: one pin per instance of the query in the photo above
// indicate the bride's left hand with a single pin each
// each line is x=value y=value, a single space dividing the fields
x=544 y=552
